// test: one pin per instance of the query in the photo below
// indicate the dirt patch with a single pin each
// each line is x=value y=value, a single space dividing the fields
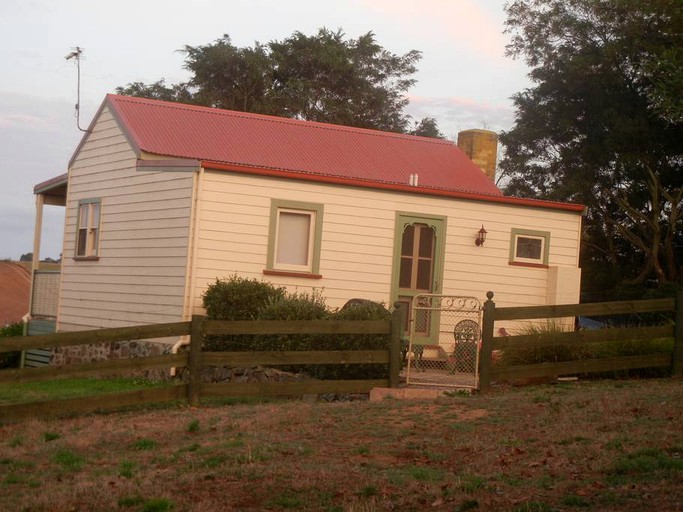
x=582 y=446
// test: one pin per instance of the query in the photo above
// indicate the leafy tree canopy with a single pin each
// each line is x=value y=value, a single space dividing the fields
x=324 y=77
x=603 y=125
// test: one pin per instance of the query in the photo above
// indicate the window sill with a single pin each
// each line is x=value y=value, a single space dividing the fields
x=288 y=273
x=525 y=264
x=86 y=258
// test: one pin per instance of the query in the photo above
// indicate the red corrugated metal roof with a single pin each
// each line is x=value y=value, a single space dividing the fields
x=15 y=288
x=266 y=142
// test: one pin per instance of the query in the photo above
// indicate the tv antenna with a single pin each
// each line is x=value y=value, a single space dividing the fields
x=76 y=54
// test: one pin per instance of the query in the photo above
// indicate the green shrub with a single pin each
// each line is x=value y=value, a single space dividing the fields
x=12 y=329
x=513 y=356
x=622 y=348
x=237 y=298
x=302 y=306
x=312 y=307
x=365 y=310
x=11 y=359
x=635 y=347
x=293 y=306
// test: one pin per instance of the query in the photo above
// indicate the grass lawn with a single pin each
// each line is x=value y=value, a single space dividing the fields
x=602 y=446
x=70 y=388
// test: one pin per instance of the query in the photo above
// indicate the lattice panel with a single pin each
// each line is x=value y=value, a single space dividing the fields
x=45 y=294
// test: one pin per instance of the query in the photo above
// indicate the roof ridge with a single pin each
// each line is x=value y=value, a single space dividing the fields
x=282 y=120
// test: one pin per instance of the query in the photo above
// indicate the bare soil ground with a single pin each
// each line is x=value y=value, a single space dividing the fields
x=604 y=446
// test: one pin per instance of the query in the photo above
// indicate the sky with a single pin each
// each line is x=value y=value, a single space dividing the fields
x=464 y=79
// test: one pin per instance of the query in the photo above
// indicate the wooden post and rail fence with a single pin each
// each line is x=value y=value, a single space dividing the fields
x=490 y=372
x=194 y=359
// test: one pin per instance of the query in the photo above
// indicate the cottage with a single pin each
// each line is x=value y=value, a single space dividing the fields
x=163 y=198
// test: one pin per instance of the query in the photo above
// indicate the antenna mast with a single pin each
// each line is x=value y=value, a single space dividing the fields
x=76 y=54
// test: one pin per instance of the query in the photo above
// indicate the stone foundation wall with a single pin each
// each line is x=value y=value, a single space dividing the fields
x=249 y=374
x=62 y=356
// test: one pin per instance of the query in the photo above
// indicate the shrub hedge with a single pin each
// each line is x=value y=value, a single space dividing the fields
x=11 y=359
x=238 y=298
x=513 y=356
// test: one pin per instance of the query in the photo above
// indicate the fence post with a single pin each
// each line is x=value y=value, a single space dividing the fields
x=395 y=346
x=677 y=360
x=486 y=343
x=194 y=363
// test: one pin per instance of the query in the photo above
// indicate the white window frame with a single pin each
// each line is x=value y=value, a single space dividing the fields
x=91 y=225
x=543 y=236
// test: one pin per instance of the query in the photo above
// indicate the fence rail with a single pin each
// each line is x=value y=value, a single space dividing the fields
x=194 y=360
x=593 y=309
x=490 y=372
x=69 y=339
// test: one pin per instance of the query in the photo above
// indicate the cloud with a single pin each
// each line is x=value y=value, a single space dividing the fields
x=37 y=137
x=23 y=120
x=465 y=24
x=454 y=114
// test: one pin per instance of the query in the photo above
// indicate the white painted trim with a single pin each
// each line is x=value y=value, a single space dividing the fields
x=193 y=245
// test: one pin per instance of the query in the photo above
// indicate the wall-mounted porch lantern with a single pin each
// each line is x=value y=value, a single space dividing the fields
x=481 y=236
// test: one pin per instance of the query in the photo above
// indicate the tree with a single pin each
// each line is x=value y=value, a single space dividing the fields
x=228 y=77
x=158 y=91
x=602 y=125
x=427 y=127
x=323 y=77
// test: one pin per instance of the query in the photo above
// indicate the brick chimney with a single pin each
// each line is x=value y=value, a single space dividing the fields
x=481 y=146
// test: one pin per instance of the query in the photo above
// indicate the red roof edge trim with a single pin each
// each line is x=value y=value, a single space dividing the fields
x=335 y=180
x=126 y=128
x=178 y=163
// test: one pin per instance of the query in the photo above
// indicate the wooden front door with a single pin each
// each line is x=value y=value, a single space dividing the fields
x=418 y=268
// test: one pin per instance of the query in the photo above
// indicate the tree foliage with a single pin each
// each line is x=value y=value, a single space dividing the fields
x=324 y=77
x=603 y=125
x=427 y=127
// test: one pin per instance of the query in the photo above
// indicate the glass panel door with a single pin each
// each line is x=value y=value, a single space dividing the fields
x=419 y=268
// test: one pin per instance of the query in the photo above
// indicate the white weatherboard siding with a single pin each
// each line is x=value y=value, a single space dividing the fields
x=358 y=241
x=139 y=277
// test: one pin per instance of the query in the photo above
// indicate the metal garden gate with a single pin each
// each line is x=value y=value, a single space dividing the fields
x=444 y=340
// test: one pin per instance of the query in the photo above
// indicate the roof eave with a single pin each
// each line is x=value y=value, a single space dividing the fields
x=396 y=187
x=51 y=184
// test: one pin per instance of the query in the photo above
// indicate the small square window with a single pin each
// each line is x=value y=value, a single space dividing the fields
x=88 y=228
x=529 y=247
x=294 y=241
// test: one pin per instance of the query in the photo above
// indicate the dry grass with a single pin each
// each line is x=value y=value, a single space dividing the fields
x=583 y=446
